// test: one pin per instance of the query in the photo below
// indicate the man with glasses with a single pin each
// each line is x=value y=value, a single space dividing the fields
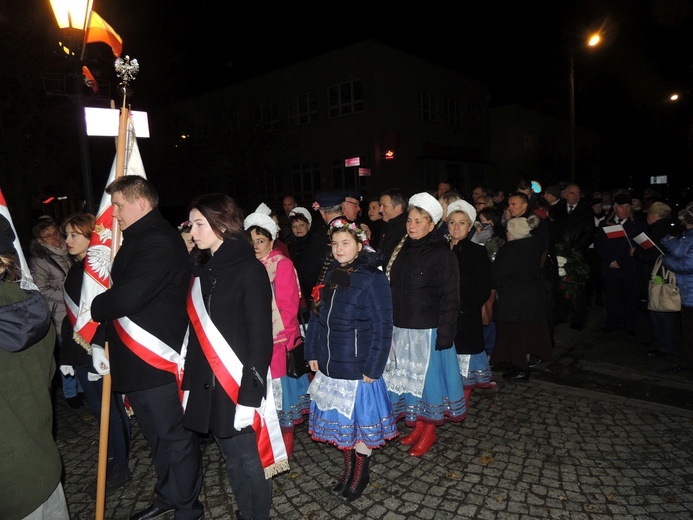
x=49 y=263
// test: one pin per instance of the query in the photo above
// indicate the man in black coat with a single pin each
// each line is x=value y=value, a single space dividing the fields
x=393 y=208
x=613 y=243
x=144 y=318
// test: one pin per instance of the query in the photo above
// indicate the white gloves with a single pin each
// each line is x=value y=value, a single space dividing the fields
x=91 y=376
x=99 y=360
x=67 y=370
x=244 y=417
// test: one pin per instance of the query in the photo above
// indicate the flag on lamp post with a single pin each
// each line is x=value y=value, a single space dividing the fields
x=99 y=31
x=97 y=264
x=27 y=280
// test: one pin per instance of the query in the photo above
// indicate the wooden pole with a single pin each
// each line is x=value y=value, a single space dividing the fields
x=106 y=392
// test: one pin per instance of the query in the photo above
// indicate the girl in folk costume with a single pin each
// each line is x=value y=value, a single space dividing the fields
x=229 y=352
x=290 y=395
x=425 y=386
x=348 y=345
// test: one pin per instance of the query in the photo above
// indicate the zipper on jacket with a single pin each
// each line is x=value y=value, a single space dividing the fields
x=356 y=343
x=329 y=352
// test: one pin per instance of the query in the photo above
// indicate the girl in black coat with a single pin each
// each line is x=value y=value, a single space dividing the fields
x=229 y=352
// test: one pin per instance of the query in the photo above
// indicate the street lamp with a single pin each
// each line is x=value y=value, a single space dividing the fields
x=593 y=40
x=73 y=16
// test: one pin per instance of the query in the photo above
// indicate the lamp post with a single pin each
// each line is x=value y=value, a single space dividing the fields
x=592 y=41
x=72 y=17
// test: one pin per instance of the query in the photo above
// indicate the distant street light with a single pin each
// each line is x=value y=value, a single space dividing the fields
x=593 y=40
x=73 y=16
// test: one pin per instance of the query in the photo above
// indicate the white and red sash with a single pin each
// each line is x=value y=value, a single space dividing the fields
x=228 y=370
x=71 y=307
x=151 y=349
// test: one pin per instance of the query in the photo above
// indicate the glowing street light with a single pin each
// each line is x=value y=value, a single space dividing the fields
x=72 y=16
x=593 y=40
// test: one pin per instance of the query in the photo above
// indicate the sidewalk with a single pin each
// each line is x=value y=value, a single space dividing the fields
x=540 y=450
x=615 y=364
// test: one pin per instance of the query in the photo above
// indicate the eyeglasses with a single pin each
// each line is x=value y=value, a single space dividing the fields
x=54 y=234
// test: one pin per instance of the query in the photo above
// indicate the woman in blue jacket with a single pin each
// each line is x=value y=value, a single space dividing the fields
x=679 y=258
x=348 y=344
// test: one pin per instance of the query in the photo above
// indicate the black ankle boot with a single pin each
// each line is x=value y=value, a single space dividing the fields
x=359 y=480
x=349 y=461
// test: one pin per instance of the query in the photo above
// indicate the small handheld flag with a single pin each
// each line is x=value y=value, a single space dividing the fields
x=616 y=231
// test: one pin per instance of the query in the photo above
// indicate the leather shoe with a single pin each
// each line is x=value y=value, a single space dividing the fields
x=518 y=376
x=152 y=512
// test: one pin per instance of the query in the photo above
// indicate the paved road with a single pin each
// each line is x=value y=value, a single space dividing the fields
x=538 y=450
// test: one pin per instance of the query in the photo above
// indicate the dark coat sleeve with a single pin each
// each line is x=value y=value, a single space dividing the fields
x=449 y=299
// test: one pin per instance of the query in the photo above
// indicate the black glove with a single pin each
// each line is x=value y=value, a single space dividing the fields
x=443 y=347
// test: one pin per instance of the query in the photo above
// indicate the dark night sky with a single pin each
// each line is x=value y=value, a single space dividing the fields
x=520 y=49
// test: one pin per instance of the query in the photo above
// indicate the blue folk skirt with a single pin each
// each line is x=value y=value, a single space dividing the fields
x=371 y=420
x=424 y=384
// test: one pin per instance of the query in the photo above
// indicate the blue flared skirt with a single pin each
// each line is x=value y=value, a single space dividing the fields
x=295 y=401
x=372 y=421
x=442 y=396
x=479 y=374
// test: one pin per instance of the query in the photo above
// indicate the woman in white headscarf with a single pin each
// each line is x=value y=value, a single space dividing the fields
x=290 y=394
x=424 y=380
x=475 y=289
x=521 y=302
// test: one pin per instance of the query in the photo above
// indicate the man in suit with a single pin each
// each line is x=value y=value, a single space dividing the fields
x=572 y=223
x=144 y=317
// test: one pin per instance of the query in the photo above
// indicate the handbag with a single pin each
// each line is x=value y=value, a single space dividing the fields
x=296 y=364
x=487 y=309
x=662 y=293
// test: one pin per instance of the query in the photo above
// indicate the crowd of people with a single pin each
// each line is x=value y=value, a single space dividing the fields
x=406 y=304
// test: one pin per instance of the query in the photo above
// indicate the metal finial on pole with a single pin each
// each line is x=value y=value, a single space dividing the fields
x=126 y=69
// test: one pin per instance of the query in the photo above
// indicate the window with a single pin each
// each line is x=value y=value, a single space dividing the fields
x=343 y=177
x=266 y=117
x=305 y=180
x=428 y=107
x=345 y=99
x=303 y=109
x=453 y=112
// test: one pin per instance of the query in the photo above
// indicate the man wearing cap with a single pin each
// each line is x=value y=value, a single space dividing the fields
x=613 y=242
x=679 y=258
x=393 y=207
x=351 y=205
x=662 y=324
x=571 y=223
x=552 y=194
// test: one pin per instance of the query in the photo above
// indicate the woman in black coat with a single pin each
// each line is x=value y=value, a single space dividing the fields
x=521 y=300
x=229 y=352
x=475 y=289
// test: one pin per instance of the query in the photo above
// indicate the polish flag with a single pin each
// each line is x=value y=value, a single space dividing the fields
x=644 y=241
x=99 y=31
x=97 y=265
x=616 y=231
x=27 y=280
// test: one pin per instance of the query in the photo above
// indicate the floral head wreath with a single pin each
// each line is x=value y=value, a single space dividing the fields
x=183 y=226
x=340 y=223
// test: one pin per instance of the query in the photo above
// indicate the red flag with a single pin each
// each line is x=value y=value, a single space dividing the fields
x=616 y=231
x=27 y=280
x=89 y=80
x=97 y=265
x=100 y=31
